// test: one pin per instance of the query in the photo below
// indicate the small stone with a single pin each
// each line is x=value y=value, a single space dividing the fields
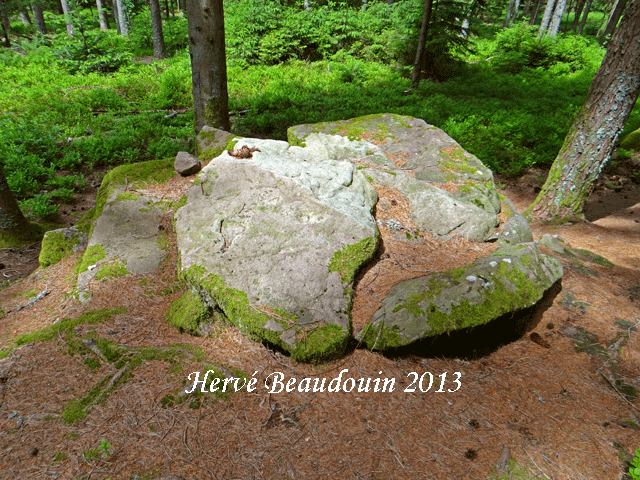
x=493 y=263
x=33 y=451
x=472 y=278
x=186 y=164
x=506 y=260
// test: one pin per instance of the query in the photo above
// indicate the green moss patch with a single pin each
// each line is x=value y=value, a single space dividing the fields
x=91 y=255
x=188 y=312
x=16 y=238
x=55 y=247
x=349 y=259
x=114 y=270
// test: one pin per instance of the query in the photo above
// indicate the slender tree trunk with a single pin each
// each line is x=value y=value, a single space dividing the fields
x=101 y=16
x=527 y=8
x=116 y=16
x=534 y=14
x=464 y=30
x=156 y=25
x=594 y=132
x=307 y=4
x=613 y=21
x=67 y=16
x=554 y=26
x=515 y=12
x=11 y=218
x=208 y=64
x=603 y=22
x=365 y=5
x=546 y=18
x=38 y=18
x=576 y=16
x=422 y=42
x=507 y=18
x=124 y=20
x=585 y=14
x=6 y=24
x=166 y=8
x=24 y=16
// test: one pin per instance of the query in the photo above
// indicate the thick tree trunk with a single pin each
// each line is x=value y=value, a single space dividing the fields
x=576 y=16
x=613 y=21
x=156 y=25
x=554 y=26
x=38 y=18
x=594 y=132
x=546 y=18
x=585 y=15
x=208 y=64
x=67 y=16
x=124 y=20
x=422 y=42
x=101 y=16
x=11 y=217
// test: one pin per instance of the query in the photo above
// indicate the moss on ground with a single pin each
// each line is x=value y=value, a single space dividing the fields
x=91 y=255
x=17 y=238
x=113 y=270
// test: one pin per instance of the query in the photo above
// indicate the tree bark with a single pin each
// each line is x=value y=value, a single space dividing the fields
x=208 y=64
x=594 y=132
x=24 y=16
x=11 y=217
x=554 y=26
x=576 y=16
x=38 y=18
x=67 y=17
x=534 y=14
x=546 y=18
x=585 y=14
x=613 y=21
x=101 y=16
x=124 y=21
x=6 y=24
x=507 y=18
x=116 y=16
x=156 y=26
x=422 y=42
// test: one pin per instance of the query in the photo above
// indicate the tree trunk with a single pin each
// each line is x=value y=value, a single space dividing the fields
x=365 y=5
x=67 y=16
x=554 y=26
x=6 y=24
x=24 y=16
x=607 y=15
x=422 y=42
x=507 y=18
x=515 y=12
x=38 y=18
x=156 y=26
x=116 y=17
x=576 y=16
x=546 y=18
x=124 y=21
x=101 y=16
x=11 y=217
x=208 y=64
x=527 y=8
x=585 y=14
x=534 y=14
x=594 y=132
x=613 y=21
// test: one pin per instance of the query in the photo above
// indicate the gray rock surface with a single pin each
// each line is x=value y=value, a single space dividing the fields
x=210 y=142
x=516 y=229
x=273 y=242
x=186 y=164
x=511 y=279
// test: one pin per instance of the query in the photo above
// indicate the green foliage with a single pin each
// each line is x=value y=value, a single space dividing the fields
x=634 y=470
x=91 y=51
x=174 y=31
x=519 y=48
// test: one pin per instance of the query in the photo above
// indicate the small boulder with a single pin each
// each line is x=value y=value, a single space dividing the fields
x=186 y=164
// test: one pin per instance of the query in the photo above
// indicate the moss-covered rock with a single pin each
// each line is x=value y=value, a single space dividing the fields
x=513 y=278
x=188 y=313
x=61 y=243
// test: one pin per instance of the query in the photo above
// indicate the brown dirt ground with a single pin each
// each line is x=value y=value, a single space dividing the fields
x=554 y=408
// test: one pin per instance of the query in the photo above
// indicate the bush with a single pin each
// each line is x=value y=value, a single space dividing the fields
x=91 y=51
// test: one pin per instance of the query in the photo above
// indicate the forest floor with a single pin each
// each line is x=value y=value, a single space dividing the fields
x=557 y=403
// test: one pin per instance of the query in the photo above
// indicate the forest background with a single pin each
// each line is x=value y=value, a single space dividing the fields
x=97 y=98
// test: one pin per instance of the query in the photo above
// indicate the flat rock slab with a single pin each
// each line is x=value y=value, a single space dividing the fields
x=511 y=279
x=413 y=145
x=273 y=243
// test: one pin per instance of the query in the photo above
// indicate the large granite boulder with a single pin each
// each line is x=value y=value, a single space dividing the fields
x=273 y=242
